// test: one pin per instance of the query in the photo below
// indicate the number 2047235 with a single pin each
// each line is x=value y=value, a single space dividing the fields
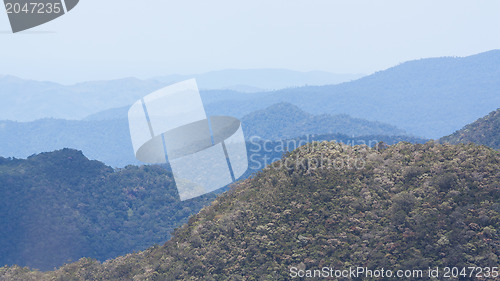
x=34 y=8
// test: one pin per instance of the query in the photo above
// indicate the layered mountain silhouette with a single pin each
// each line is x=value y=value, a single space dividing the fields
x=28 y=100
x=429 y=97
x=301 y=205
x=406 y=206
x=109 y=140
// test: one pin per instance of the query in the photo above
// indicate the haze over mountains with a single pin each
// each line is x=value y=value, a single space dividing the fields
x=429 y=97
x=109 y=140
x=27 y=100
x=255 y=80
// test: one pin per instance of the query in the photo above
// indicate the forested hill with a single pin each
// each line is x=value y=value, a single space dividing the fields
x=286 y=121
x=60 y=206
x=399 y=207
x=485 y=131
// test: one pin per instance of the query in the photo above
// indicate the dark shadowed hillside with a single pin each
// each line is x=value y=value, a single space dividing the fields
x=60 y=206
x=399 y=207
x=485 y=131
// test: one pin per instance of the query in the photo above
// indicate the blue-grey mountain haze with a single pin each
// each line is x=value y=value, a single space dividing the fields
x=109 y=140
x=430 y=98
x=28 y=100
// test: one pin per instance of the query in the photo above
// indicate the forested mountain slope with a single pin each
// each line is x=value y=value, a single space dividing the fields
x=399 y=207
x=60 y=206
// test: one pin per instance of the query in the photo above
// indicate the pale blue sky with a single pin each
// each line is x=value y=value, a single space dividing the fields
x=118 y=38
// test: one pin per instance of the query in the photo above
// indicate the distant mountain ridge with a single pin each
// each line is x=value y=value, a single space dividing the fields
x=109 y=140
x=207 y=96
x=255 y=80
x=28 y=100
x=286 y=121
x=428 y=97
x=485 y=131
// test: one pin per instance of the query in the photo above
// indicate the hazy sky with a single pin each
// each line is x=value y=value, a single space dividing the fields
x=103 y=39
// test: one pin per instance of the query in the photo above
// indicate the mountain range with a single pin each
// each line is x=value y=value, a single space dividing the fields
x=59 y=206
x=430 y=97
x=310 y=199
x=407 y=206
x=109 y=140
x=28 y=100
